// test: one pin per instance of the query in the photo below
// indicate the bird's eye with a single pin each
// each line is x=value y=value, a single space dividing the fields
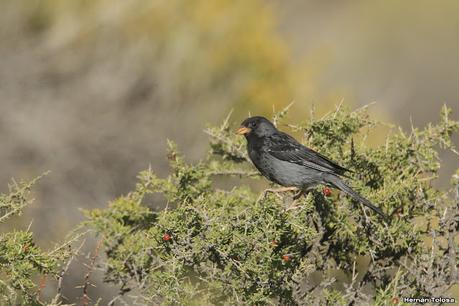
x=253 y=124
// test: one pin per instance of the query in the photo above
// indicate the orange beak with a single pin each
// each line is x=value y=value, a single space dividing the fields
x=243 y=130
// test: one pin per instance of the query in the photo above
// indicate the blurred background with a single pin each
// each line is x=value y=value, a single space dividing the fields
x=91 y=90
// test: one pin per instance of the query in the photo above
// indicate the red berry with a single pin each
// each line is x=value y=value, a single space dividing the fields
x=286 y=258
x=166 y=237
x=326 y=191
x=395 y=300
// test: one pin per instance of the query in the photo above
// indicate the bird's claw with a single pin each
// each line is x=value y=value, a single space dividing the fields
x=298 y=195
x=276 y=191
x=293 y=205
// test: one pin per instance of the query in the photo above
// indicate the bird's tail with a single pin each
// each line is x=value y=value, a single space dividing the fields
x=339 y=183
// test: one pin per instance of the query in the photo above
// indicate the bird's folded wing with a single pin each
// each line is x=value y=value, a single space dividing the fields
x=284 y=147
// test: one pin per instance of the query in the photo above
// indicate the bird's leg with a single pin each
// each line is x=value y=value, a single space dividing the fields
x=303 y=192
x=276 y=191
x=299 y=194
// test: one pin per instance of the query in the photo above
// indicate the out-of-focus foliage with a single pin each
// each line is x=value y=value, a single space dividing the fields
x=92 y=89
x=185 y=52
x=212 y=246
x=401 y=54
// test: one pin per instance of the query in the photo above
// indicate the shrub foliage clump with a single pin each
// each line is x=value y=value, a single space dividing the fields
x=235 y=245
x=21 y=260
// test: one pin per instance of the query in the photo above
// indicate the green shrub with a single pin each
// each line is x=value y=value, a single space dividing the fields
x=213 y=245
x=22 y=262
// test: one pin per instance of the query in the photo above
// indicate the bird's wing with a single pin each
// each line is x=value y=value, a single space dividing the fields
x=284 y=147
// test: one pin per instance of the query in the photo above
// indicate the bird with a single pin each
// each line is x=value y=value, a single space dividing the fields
x=283 y=160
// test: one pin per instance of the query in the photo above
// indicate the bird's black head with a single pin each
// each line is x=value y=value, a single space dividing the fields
x=256 y=127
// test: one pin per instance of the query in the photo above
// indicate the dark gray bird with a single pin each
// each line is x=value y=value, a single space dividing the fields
x=283 y=160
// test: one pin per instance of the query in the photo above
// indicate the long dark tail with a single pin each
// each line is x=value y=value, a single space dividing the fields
x=339 y=183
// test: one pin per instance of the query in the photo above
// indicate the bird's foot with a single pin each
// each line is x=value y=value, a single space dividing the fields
x=276 y=191
x=293 y=205
x=298 y=195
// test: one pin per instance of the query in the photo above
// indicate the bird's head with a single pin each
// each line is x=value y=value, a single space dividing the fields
x=256 y=126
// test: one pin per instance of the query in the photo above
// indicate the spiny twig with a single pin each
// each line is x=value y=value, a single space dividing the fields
x=88 y=273
x=60 y=277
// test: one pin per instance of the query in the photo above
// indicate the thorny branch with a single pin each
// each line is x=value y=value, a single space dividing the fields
x=60 y=277
x=86 y=298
